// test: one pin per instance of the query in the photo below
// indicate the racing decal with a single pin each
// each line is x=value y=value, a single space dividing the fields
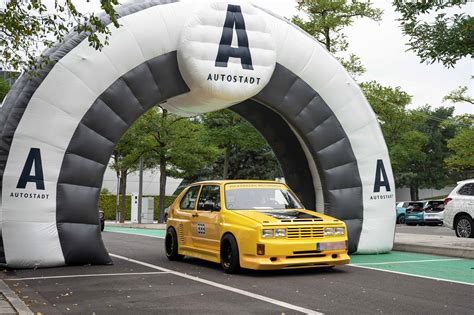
x=201 y=228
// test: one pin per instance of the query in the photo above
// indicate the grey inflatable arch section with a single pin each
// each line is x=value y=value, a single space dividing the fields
x=59 y=129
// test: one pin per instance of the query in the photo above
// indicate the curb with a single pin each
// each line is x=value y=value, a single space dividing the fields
x=460 y=252
x=15 y=303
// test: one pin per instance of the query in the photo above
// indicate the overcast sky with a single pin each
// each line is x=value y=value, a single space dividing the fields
x=381 y=47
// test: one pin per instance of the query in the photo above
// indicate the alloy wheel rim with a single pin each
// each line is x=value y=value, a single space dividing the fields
x=464 y=228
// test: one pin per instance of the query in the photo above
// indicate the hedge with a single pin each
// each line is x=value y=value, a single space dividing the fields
x=108 y=204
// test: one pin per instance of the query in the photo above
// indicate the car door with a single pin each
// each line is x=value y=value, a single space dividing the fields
x=206 y=219
x=466 y=198
x=183 y=215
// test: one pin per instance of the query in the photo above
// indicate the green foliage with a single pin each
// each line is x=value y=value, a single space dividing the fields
x=178 y=141
x=446 y=39
x=107 y=203
x=25 y=24
x=326 y=20
x=4 y=88
x=245 y=154
x=462 y=146
x=459 y=95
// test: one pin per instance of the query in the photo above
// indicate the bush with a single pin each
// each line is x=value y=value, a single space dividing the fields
x=108 y=204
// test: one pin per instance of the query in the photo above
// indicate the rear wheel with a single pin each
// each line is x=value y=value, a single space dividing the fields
x=229 y=254
x=463 y=226
x=401 y=219
x=171 y=245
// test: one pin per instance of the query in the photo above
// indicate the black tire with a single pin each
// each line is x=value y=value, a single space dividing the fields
x=230 y=254
x=463 y=226
x=401 y=219
x=171 y=245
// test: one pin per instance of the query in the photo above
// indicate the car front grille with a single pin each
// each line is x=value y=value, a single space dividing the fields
x=305 y=232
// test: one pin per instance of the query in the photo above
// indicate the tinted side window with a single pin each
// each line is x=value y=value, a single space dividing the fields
x=467 y=189
x=189 y=200
x=210 y=195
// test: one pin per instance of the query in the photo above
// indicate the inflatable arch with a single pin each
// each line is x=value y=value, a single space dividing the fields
x=58 y=129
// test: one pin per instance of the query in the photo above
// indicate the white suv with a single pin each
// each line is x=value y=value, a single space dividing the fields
x=459 y=209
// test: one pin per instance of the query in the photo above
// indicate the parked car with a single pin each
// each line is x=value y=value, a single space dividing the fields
x=459 y=209
x=414 y=213
x=254 y=225
x=434 y=212
x=102 y=219
x=401 y=211
x=165 y=214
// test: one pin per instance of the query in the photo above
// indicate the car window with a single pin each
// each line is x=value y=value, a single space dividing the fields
x=209 y=198
x=189 y=200
x=467 y=189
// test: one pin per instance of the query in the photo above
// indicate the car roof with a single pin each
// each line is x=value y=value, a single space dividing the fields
x=471 y=180
x=230 y=181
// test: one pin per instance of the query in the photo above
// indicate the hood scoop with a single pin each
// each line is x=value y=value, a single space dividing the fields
x=291 y=216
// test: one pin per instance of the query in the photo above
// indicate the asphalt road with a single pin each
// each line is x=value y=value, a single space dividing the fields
x=424 y=229
x=152 y=284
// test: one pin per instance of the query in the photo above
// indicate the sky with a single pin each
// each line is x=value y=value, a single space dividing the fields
x=382 y=49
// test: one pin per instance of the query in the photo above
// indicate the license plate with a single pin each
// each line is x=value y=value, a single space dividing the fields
x=330 y=246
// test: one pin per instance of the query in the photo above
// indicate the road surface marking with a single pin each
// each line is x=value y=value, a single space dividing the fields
x=410 y=274
x=90 y=275
x=222 y=286
x=406 y=261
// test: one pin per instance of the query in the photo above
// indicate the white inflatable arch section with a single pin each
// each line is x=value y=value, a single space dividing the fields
x=58 y=129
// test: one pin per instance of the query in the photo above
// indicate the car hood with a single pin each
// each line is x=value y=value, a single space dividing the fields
x=285 y=216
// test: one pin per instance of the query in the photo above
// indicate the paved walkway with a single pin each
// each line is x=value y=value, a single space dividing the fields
x=419 y=243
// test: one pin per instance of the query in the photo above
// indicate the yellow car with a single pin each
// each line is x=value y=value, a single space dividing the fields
x=254 y=225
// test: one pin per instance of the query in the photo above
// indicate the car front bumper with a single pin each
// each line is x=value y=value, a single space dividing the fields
x=303 y=254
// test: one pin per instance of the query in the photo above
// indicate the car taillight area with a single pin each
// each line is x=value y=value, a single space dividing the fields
x=447 y=200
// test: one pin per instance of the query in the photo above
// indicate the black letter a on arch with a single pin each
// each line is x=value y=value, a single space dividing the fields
x=33 y=157
x=234 y=19
x=381 y=178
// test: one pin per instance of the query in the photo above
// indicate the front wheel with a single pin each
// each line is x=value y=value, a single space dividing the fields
x=171 y=245
x=401 y=219
x=230 y=254
x=463 y=226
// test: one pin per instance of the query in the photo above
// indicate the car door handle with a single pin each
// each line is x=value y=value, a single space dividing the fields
x=195 y=215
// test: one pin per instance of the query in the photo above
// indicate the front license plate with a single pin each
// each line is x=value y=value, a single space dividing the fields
x=330 y=246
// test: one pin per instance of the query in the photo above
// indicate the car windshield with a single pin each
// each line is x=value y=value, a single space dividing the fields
x=259 y=196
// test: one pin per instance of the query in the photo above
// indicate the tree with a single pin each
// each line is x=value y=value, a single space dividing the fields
x=125 y=161
x=462 y=146
x=29 y=26
x=446 y=39
x=459 y=95
x=4 y=88
x=227 y=131
x=325 y=20
x=178 y=145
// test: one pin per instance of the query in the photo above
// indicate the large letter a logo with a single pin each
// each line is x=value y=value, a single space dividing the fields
x=34 y=157
x=234 y=19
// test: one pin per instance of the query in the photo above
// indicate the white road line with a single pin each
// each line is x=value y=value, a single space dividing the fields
x=412 y=275
x=90 y=275
x=406 y=261
x=222 y=286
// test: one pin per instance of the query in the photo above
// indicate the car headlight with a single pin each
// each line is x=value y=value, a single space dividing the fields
x=280 y=232
x=339 y=231
x=267 y=233
x=328 y=231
